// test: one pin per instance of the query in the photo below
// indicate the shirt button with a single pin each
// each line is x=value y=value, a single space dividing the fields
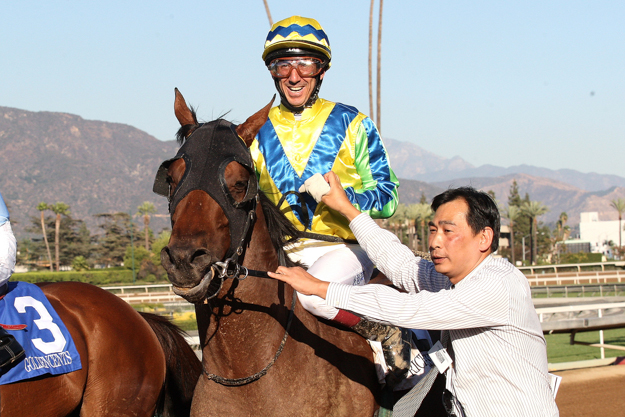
x=298 y=158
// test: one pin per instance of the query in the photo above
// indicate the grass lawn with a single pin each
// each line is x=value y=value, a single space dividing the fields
x=559 y=349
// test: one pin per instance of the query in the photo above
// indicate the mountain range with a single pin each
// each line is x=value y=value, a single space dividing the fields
x=102 y=167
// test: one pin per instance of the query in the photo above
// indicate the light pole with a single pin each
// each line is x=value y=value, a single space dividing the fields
x=523 y=244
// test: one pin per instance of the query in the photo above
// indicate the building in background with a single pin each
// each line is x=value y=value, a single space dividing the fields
x=601 y=234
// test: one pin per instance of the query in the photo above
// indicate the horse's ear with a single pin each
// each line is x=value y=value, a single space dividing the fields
x=252 y=125
x=182 y=111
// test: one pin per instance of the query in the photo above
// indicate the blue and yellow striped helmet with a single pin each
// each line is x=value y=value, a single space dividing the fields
x=290 y=36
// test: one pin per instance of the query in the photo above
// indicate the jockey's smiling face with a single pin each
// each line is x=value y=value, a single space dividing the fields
x=297 y=88
x=455 y=249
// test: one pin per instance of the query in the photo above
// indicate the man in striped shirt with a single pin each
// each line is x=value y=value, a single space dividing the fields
x=482 y=304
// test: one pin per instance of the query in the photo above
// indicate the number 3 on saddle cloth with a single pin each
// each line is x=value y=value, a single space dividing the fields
x=48 y=346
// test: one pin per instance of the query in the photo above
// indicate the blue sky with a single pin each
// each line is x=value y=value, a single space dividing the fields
x=494 y=82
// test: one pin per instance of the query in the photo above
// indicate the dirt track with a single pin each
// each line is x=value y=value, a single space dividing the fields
x=592 y=392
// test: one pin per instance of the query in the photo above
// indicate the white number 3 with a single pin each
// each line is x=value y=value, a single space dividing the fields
x=44 y=323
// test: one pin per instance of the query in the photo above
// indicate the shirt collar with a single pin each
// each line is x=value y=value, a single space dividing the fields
x=308 y=113
x=478 y=268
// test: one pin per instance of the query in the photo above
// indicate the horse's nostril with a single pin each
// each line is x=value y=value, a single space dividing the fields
x=199 y=255
x=166 y=258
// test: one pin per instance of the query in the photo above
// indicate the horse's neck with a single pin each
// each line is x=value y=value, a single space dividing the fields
x=260 y=254
x=250 y=312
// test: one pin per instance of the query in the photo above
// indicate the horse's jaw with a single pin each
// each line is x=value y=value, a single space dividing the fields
x=196 y=294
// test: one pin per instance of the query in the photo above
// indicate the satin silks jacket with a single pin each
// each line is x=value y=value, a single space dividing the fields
x=328 y=137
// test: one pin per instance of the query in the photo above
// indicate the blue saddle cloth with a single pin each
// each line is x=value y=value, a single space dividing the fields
x=47 y=343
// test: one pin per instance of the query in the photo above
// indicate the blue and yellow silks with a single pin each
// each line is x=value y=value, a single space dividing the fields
x=328 y=137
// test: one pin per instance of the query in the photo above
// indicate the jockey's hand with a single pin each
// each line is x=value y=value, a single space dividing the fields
x=337 y=199
x=316 y=186
x=301 y=281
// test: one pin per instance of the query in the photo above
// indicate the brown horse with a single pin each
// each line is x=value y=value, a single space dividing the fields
x=132 y=364
x=263 y=354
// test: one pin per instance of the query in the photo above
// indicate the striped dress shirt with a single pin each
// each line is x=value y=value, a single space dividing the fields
x=497 y=344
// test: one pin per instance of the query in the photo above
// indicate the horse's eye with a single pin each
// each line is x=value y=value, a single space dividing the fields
x=172 y=185
x=240 y=186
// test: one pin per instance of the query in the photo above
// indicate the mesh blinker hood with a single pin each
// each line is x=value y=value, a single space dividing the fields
x=207 y=152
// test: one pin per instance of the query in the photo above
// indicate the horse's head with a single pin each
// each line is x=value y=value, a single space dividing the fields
x=212 y=190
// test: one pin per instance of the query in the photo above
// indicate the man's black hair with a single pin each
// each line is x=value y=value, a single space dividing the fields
x=483 y=211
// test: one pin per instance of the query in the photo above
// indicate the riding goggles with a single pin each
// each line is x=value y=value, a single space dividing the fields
x=305 y=67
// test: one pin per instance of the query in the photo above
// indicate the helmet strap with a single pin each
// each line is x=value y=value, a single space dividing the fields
x=309 y=103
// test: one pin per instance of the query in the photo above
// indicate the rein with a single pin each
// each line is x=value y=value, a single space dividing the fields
x=306 y=219
x=230 y=268
x=234 y=382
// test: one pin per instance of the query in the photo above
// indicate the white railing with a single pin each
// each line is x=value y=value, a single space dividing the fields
x=576 y=278
x=153 y=293
x=577 y=324
x=535 y=269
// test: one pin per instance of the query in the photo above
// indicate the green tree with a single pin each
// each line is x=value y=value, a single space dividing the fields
x=619 y=206
x=157 y=246
x=74 y=239
x=60 y=209
x=512 y=213
x=421 y=213
x=522 y=226
x=561 y=233
x=514 y=198
x=80 y=264
x=397 y=222
x=534 y=209
x=42 y=207
x=145 y=210
x=140 y=253
x=115 y=237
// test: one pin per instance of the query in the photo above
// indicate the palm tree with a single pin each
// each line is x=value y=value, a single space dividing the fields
x=512 y=213
x=42 y=207
x=145 y=210
x=533 y=209
x=562 y=232
x=60 y=209
x=268 y=13
x=421 y=213
x=619 y=205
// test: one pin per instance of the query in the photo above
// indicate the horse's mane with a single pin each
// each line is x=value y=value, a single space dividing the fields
x=281 y=231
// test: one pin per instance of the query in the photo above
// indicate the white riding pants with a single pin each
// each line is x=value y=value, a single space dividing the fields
x=346 y=263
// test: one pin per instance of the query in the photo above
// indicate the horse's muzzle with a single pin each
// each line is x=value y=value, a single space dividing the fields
x=198 y=293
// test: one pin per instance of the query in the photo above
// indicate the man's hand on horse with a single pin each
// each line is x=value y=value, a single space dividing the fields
x=301 y=281
x=337 y=199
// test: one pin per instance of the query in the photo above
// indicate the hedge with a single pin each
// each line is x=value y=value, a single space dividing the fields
x=96 y=277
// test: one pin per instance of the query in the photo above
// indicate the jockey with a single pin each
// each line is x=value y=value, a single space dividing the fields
x=10 y=349
x=305 y=137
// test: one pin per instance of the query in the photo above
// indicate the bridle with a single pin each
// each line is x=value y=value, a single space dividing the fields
x=204 y=154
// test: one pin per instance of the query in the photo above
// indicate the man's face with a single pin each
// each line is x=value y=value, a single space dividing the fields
x=455 y=250
x=298 y=89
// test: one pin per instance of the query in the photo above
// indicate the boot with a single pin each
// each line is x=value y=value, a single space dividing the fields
x=10 y=350
x=395 y=346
